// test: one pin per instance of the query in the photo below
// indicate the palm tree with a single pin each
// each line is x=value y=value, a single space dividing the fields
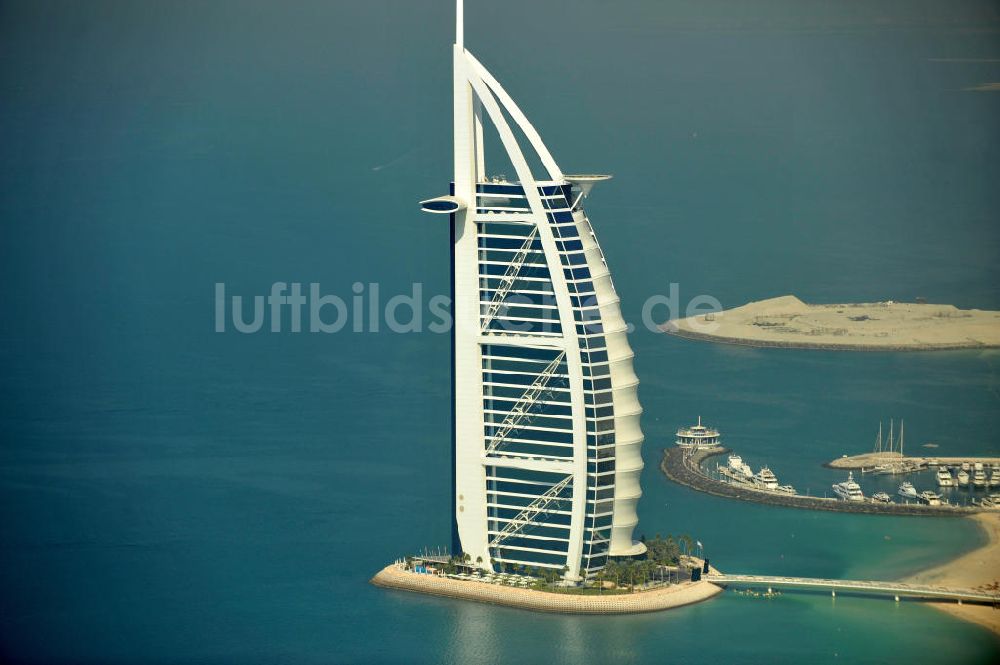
x=479 y=561
x=688 y=543
x=610 y=570
x=535 y=573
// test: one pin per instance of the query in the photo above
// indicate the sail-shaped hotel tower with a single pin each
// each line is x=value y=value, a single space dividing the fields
x=546 y=436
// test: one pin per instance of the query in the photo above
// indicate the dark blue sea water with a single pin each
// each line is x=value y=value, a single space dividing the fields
x=173 y=494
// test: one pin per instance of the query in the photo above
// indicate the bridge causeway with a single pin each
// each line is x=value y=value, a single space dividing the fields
x=897 y=589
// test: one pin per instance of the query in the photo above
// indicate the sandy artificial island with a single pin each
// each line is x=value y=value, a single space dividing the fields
x=882 y=326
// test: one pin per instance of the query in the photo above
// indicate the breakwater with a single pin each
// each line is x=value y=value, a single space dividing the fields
x=685 y=469
x=395 y=577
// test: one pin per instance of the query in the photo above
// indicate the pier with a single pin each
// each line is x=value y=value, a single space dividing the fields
x=896 y=589
x=684 y=467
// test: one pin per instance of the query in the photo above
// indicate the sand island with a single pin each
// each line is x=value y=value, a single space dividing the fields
x=503 y=591
x=787 y=322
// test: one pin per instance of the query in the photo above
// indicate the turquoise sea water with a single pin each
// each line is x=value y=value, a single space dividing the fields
x=172 y=494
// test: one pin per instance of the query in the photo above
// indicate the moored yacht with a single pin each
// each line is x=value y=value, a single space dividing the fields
x=881 y=497
x=963 y=477
x=930 y=498
x=698 y=436
x=907 y=490
x=765 y=479
x=849 y=490
x=737 y=470
x=978 y=475
x=994 y=477
x=944 y=478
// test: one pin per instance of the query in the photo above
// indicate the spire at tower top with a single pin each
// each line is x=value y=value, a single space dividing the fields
x=459 y=24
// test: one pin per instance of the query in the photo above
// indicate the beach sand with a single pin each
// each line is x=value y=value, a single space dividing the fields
x=394 y=577
x=977 y=569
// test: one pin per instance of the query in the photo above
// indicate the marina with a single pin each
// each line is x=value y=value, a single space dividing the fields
x=686 y=467
x=738 y=474
x=960 y=480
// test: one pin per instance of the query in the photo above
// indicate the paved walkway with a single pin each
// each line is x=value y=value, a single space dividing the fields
x=863 y=586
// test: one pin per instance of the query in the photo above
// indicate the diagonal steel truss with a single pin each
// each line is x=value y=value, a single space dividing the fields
x=508 y=279
x=532 y=510
x=523 y=404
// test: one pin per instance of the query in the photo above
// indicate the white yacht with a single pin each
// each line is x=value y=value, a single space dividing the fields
x=994 y=477
x=765 y=479
x=930 y=498
x=698 y=436
x=907 y=490
x=849 y=490
x=944 y=478
x=963 y=477
x=881 y=497
x=786 y=489
x=978 y=475
x=737 y=470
